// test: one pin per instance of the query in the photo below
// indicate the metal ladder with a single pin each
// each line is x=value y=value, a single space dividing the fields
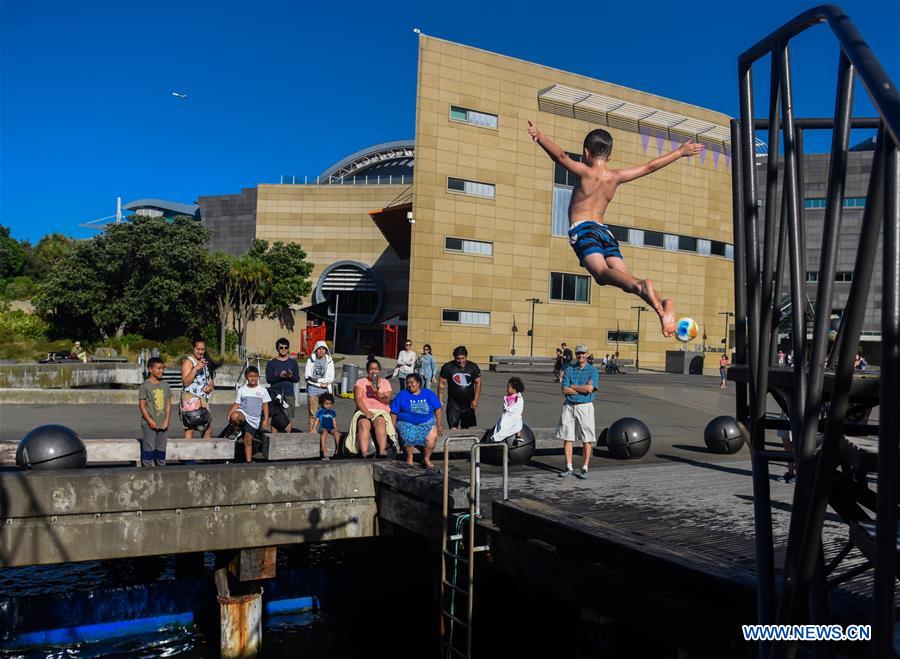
x=451 y=556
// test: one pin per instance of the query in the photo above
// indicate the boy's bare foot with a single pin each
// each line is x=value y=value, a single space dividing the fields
x=648 y=294
x=667 y=318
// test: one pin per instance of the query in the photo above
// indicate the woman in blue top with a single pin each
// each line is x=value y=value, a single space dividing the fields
x=416 y=413
x=427 y=367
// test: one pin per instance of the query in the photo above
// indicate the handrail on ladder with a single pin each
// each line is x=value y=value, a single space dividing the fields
x=474 y=513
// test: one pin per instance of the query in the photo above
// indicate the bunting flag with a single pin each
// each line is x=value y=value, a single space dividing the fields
x=716 y=158
x=676 y=142
x=660 y=142
x=727 y=162
x=703 y=156
x=645 y=140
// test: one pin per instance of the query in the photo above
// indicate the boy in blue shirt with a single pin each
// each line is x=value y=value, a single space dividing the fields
x=579 y=383
x=324 y=421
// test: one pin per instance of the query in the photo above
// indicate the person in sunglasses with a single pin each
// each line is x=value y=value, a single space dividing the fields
x=282 y=373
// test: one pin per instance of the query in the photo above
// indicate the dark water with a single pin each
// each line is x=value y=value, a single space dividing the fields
x=367 y=596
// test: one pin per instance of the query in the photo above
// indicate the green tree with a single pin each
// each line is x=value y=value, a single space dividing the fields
x=12 y=255
x=49 y=250
x=145 y=276
x=266 y=281
x=224 y=291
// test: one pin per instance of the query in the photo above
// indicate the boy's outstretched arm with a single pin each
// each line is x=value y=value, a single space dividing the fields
x=686 y=150
x=556 y=152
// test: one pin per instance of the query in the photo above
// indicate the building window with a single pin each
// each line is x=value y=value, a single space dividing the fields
x=621 y=336
x=717 y=248
x=563 y=182
x=460 y=317
x=670 y=242
x=620 y=233
x=703 y=247
x=812 y=276
x=843 y=276
x=465 y=115
x=636 y=236
x=468 y=246
x=687 y=244
x=654 y=238
x=473 y=188
x=569 y=288
x=849 y=202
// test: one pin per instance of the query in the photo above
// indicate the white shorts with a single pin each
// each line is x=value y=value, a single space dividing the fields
x=577 y=417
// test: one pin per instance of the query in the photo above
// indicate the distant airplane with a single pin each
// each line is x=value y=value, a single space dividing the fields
x=179 y=95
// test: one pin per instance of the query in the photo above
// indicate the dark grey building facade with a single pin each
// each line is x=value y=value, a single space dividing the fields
x=815 y=182
x=231 y=219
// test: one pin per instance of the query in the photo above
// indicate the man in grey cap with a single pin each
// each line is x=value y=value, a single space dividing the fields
x=577 y=419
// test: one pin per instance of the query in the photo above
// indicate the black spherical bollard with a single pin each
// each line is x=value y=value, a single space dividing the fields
x=51 y=447
x=723 y=435
x=628 y=439
x=521 y=449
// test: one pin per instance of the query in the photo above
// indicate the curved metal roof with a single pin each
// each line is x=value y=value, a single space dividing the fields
x=401 y=152
x=164 y=205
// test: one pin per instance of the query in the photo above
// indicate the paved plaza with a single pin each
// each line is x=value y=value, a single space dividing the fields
x=675 y=407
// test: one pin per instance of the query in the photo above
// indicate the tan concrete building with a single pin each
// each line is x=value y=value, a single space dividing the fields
x=472 y=112
x=488 y=227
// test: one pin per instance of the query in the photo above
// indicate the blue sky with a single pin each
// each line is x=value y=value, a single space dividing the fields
x=86 y=111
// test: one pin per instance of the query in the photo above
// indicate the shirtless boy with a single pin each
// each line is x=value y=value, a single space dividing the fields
x=593 y=242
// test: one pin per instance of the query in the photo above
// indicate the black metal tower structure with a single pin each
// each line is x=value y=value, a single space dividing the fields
x=824 y=398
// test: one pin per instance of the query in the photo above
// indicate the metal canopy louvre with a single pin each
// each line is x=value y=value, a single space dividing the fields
x=350 y=278
x=609 y=111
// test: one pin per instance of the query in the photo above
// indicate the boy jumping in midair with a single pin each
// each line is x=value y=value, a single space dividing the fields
x=593 y=242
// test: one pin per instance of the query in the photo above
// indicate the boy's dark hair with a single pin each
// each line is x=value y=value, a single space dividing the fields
x=283 y=342
x=325 y=398
x=153 y=361
x=251 y=369
x=516 y=384
x=599 y=143
x=460 y=350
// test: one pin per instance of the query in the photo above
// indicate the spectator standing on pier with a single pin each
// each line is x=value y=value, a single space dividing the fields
x=250 y=411
x=198 y=384
x=462 y=379
x=155 y=404
x=319 y=374
x=557 y=366
x=426 y=366
x=580 y=381
x=406 y=361
x=282 y=373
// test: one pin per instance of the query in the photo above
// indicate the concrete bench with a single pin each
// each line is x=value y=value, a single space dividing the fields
x=521 y=364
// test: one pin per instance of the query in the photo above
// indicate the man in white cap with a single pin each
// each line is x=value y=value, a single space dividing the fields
x=579 y=383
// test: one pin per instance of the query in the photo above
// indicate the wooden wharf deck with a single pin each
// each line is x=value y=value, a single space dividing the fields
x=668 y=546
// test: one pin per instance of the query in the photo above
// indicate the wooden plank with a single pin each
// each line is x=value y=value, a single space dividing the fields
x=421 y=483
x=106 y=451
x=292 y=446
x=628 y=547
x=412 y=514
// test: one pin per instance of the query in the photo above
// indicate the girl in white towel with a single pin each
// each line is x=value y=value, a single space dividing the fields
x=510 y=423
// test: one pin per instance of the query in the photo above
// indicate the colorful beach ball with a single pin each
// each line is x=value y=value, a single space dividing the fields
x=686 y=330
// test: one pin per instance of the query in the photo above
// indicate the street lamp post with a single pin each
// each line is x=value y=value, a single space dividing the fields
x=728 y=315
x=514 y=330
x=637 y=343
x=533 y=301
